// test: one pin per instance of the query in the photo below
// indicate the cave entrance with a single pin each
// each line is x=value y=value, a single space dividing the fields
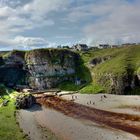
x=136 y=81
x=13 y=76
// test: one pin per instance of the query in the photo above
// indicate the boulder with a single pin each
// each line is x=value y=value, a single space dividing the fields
x=25 y=101
x=5 y=102
x=99 y=60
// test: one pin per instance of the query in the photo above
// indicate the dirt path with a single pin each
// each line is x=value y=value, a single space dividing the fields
x=125 y=122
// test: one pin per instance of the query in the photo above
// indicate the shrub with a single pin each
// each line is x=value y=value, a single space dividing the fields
x=2 y=90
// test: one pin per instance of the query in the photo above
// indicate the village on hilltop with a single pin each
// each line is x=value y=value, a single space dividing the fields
x=85 y=47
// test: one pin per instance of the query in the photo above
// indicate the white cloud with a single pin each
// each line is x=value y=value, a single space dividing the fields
x=19 y=18
x=32 y=15
x=21 y=42
x=29 y=41
x=6 y=11
x=101 y=8
x=98 y=21
x=120 y=24
x=41 y=7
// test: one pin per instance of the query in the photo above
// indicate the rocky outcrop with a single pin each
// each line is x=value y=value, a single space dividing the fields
x=118 y=84
x=47 y=68
x=98 y=60
x=25 y=101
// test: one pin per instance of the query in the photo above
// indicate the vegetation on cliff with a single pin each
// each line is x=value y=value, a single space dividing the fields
x=115 y=72
x=54 y=56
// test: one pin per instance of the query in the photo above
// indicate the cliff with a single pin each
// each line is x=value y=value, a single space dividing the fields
x=47 y=68
x=38 y=69
x=114 y=70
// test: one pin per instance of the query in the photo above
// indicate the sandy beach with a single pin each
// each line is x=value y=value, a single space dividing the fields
x=27 y=121
x=114 y=103
x=73 y=126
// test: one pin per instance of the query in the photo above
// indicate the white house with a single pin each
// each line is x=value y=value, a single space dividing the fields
x=104 y=46
x=80 y=47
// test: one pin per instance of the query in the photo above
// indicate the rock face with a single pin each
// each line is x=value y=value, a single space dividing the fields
x=50 y=67
x=99 y=60
x=39 y=69
x=118 y=84
x=12 y=70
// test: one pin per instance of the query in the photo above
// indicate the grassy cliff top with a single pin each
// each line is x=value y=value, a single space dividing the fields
x=122 y=61
x=42 y=54
x=6 y=54
x=49 y=52
x=53 y=56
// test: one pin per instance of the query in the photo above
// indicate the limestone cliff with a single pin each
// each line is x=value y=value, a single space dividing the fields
x=47 y=68
x=39 y=69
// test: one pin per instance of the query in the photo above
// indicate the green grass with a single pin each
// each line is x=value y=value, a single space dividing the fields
x=9 y=129
x=138 y=71
x=124 y=61
x=121 y=60
x=92 y=89
x=69 y=86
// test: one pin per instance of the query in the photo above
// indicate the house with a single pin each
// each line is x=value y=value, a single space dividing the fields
x=128 y=44
x=114 y=46
x=104 y=46
x=91 y=48
x=80 y=47
x=63 y=47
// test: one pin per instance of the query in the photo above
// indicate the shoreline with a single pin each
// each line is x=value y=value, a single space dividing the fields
x=66 y=127
x=30 y=126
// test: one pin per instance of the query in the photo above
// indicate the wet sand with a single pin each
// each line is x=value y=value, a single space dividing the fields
x=125 y=122
x=69 y=128
x=31 y=127
x=86 y=117
x=113 y=103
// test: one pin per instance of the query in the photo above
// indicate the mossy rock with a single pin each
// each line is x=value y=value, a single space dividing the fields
x=25 y=101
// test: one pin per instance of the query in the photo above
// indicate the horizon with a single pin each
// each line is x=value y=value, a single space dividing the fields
x=31 y=24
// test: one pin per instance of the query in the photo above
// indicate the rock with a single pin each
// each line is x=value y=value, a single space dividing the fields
x=48 y=68
x=5 y=102
x=99 y=60
x=25 y=101
x=105 y=96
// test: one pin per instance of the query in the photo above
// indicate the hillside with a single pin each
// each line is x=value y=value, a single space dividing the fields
x=114 y=70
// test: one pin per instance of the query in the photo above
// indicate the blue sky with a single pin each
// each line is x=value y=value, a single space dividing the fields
x=29 y=24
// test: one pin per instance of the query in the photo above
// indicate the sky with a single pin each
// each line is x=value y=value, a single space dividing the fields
x=30 y=24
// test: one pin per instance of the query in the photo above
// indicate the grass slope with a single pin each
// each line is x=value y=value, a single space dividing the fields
x=122 y=60
x=9 y=129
